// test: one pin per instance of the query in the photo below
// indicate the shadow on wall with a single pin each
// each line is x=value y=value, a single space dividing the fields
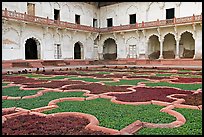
x=109 y=56
x=188 y=53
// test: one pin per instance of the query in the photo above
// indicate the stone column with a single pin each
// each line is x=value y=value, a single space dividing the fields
x=177 y=49
x=161 y=48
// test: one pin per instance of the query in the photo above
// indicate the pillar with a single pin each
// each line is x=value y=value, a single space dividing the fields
x=161 y=48
x=177 y=49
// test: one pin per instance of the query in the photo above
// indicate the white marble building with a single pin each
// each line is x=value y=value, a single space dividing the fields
x=80 y=30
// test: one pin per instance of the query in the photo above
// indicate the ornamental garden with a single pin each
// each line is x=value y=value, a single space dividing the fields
x=117 y=100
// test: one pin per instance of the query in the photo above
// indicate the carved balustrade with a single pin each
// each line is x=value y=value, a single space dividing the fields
x=63 y=24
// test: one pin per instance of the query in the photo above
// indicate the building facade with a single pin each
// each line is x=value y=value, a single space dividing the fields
x=79 y=30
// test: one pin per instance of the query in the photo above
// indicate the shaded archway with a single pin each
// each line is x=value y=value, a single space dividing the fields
x=110 y=49
x=32 y=49
x=169 y=46
x=187 y=45
x=153 y=47
x=78 y=51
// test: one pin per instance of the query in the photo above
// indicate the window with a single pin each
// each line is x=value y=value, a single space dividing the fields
x=31 y=9
x=132 y=51
x=170 y=13
x=58 y=53
x=56 y=14
x=109 y=22
x=77 y=19
x=95 y=23
x=132 y=18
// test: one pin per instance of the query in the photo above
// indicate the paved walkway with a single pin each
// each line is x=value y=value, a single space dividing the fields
x=16 y=69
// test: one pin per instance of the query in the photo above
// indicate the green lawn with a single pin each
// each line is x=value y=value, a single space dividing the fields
x=193 y=125
x=113 y=115
x=56 y=77
x=40 y=101
x=125 y=82
x=4 y=84
x=35 y=75
x=89 y=79
x=181 y=86
x=16 y=92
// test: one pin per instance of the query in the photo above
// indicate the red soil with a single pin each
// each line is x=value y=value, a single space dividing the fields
x=21 y=79
x=149 y=77
x=192 y=99
x=54 y=84
x=97 y=88
x=8 y=112
x=187 y=80
x=143 y=94
x=39 y=125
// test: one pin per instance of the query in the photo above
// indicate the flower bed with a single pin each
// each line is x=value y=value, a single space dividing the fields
x=39 y=125
x=8 y=112
x=187 y=80
x=21 y=79
x=143 y=94
x=54 y=84
x=149 y=77
x=192 y=99
x=97 y=88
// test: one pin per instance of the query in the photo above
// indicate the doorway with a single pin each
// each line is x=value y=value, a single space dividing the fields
x=77 y=51
x=31 y=49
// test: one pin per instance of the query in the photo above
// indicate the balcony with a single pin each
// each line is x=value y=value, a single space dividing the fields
x=45 y=21
x=56 y=23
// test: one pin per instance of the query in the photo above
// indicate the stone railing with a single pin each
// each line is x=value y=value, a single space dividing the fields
x=57 y=23
x=45 y=21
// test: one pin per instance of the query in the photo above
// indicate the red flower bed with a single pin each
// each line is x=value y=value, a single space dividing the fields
x=187 y=80
x=97 y=88
x=192 y=99
x=8 y=112
x=39 y=125
x=191 y=73
x=152 y=71
x=149 y=77
x=143 y=94
x=21 y=79
x=54 y=84
x=59 y=73
x=110 y=76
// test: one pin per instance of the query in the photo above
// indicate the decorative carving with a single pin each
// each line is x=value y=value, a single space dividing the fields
x=73 y=33
x=137 y=32
x=161 y=5
x=144 y=32
x=122 y=34
x=114 y=35
x=45 y=30
x=158 y=30
x=22 y=27
x=8 y=41
x=95 y=35
x=4 y=29
x=89 y=35
x=178 y=4
x=161 y=39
